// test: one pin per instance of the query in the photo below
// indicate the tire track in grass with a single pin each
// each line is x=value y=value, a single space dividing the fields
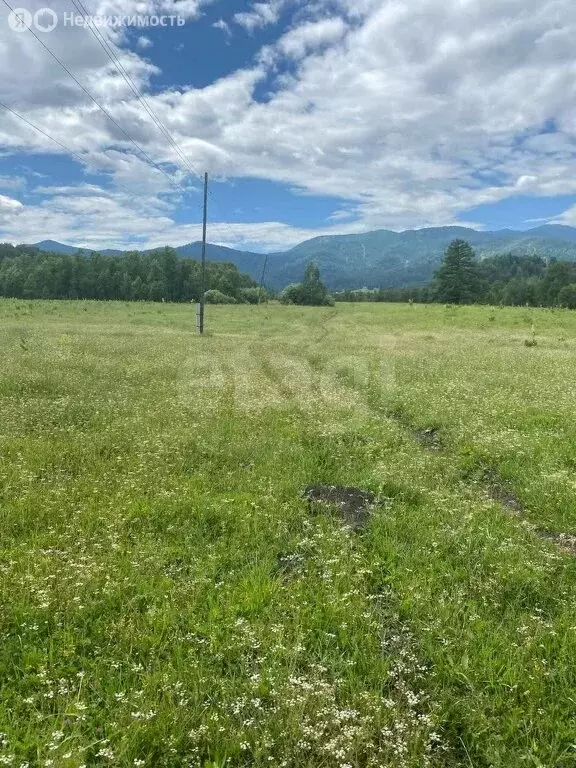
x=368 y=706
x=439 y=554
x=409 y=709
x=483 y=690
x=492 y=484
x=431 y=438
x=495 y=487
x=397 y=638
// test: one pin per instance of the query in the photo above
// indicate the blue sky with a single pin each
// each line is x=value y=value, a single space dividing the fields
x=199 y=53
x=311 y=117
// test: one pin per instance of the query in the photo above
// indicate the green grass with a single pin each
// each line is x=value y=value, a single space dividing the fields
x=169 y=599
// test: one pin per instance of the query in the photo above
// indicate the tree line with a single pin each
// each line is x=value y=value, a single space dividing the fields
x=503 y=279
x=161 y=275
x=28 y=273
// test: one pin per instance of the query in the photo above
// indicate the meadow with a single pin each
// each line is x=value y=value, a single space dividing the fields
x=168 y=597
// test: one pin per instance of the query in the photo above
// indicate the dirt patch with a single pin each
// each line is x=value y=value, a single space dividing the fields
x=564 y=541
x=352 y=504
x=430 y=438
x=499 y=490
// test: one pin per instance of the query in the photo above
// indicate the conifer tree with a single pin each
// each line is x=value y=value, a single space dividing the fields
x=459 y=280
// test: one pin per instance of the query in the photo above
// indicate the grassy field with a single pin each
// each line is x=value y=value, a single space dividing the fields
x=168 y=598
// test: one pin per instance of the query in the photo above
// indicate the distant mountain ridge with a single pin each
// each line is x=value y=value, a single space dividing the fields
x=382 y=258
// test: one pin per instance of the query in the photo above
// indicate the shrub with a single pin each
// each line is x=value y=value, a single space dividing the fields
x=253 y=295
x=292 y=294
x=217 y=297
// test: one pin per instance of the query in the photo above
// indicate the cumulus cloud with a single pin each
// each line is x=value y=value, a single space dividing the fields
x=261 y=15
x=144 y=42
x=9 y=205
x=10 y=210
x=93 y=217
x=310 y=36
x=416 y=112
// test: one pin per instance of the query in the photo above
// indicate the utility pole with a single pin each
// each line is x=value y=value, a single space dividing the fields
x=200 y=307
x=262 y=278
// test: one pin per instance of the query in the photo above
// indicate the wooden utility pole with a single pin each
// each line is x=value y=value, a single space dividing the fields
x=262 y=278
x=200 y=309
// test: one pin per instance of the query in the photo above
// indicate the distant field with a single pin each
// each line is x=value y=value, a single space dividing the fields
x=168 y=598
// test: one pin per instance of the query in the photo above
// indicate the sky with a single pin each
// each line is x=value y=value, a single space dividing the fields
x=312 y=117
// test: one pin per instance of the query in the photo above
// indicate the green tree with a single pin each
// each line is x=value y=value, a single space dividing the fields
x=253 y=295
x=558 y=275
x=168 y=260
x=314 y=292
x=567 y=296
x=292 y=294
x=459 y=280
x=32 y=288
x=520 y=291
x=310 y=292
x=228 y=281
x=138 y=290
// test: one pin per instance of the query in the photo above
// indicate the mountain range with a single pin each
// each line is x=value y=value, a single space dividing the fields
x=382 y=258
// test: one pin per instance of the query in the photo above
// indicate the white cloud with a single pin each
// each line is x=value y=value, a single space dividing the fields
x=406 y=114
x=9 y=210
x=144 y=42
x=15 y=183
x=92 y=217
x=224 y=26
x=9 y=205
x=310 y=36
x=568 y=217
x=261 y=15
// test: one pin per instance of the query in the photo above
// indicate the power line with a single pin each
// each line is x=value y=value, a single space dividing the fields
x=110 y=52
x=121 y=69
x=40 y=130
x=100 y=107
x=107 y=48
x=83 y=161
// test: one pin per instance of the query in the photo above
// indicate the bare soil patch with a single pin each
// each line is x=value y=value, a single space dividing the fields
x=564 y=541
x=499 y=490
x=353 y=505
x=428 y=437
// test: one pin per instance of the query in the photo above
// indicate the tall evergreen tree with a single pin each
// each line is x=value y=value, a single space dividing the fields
x=313 y=289
x=459 y=280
